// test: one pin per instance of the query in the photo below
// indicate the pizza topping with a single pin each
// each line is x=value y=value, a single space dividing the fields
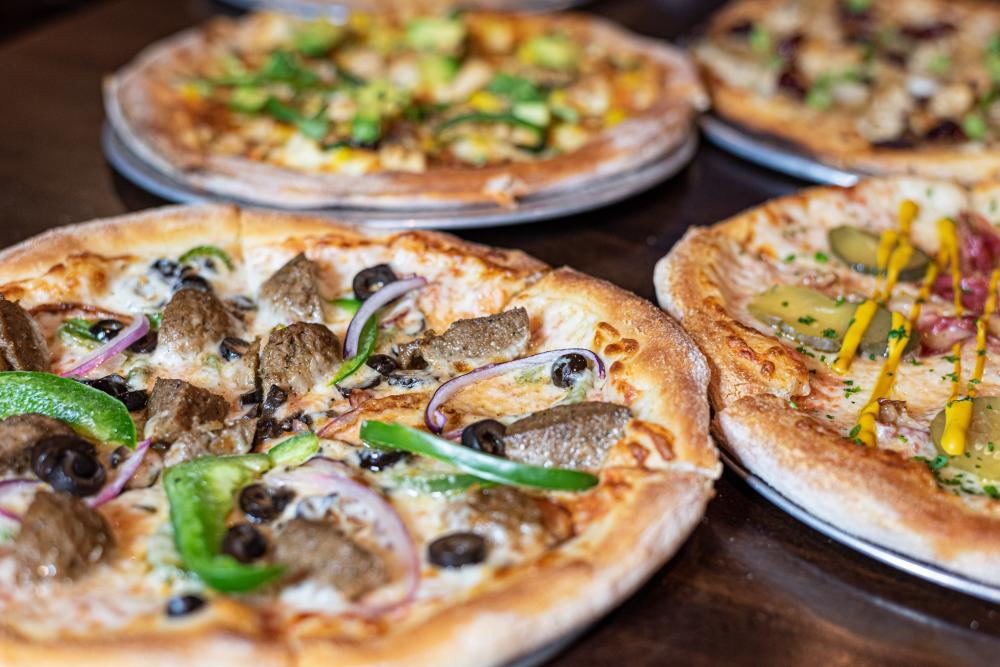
x=383 y=295
x=18 y=433
x=493 y=468
x=470 y=342
x=61 y=538
x=201 y=440
x=232 y=348
x=207 y=253
x=377 y=460
x=192 y=320
x=980 y=459
x=292 y=293
x=572 y=436
x=382 y=364
x=860 y=249
x=22 y=347
x=133 y=474
x=118 y=339
x=485 y=436
x=177 y=407
x=262 y=503
x=457 y=550
x=506 y=516
x=436 y=419
x=370 y=280
x=68 y=463
x=89 y=411
x=244 y=543
x=569 y=369
x=298 y=356
x=325 y=553
x=201 y=493
x=116 y=386
x=182 y=605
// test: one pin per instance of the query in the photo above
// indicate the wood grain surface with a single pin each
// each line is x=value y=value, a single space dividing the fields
x=752 y=586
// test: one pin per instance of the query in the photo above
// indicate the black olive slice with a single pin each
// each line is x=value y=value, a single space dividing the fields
x=193 y=281
x=276 y=397
x=457 y=550
x=377 y=460
x=182 y=605
x=146 y=344
x=567 y=369
x=264 y=503
x=370 y=280
x=167 y=268
x=105 y=330
x=485 y=436
x=244 y=543
x=69 y=464
x=383 y=364
x=232 y=348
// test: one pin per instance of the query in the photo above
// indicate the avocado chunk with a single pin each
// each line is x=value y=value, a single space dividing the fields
x=435 y=34
x=982 y=441
x=814 y=319
x=549 y=51
x=859 y=250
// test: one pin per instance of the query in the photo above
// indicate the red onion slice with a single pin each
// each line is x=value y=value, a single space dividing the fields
x=12 y=486
x=390 y=292
x=323 y=475
x=136 y=330
x=436 y=420
x=125 y=473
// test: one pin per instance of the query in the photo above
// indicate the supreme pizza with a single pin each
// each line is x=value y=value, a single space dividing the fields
x=230 y=436
x=882 y=87
x=394 y=110
x=853 y=340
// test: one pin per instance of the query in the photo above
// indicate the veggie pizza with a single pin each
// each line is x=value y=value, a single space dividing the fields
x=901 y=86
x=242 y=436
x=398 y=111
x=853 y=339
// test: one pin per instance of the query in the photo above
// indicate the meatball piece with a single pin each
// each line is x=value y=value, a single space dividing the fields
x=176 y=406
x=193 y=319
x=323 y=552
x=60 y=538
x=22 y=347
x=470 y=343
x=506 y=516
x=578 y=435
x=298 y=356
x=292 y=293
x=235 y=438
x=17 y=435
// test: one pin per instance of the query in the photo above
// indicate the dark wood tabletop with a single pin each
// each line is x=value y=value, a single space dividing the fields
x=752 y=586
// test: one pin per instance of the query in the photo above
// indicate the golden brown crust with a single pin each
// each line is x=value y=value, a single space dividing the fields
x=757 y=383
x=833 y=138
x=635 y=519
x=137 y=99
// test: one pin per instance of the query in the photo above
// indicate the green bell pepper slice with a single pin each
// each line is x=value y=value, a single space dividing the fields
x=294 y=451
x=366 y=345
x=210 y=251
x=89 y=411
x=439 y=483
x=201 y=494
x=349 y=304
x=77 y=330
x=492 y=468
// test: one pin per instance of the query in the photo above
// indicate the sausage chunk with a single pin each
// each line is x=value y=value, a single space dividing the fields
x=506 y=516
x=235 y=438
x=60 y=538
x=578 y=435
x=193 y=319
x=470 y=343
x=322 y=551
x=17 y=435
x=298 y=356
x=22 y=347
x=176 y=406
x=292 y=293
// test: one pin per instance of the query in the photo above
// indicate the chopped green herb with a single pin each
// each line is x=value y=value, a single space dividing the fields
x=807 y=319
x=821 y=257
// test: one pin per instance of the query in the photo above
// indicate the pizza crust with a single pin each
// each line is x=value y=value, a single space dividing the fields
x=641 y=513
x=879 y=495
x=138 y=98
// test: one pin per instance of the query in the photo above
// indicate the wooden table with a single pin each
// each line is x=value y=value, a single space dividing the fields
x=752 y=586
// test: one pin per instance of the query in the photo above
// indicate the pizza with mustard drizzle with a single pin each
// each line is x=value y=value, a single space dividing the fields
x=219 y=444
x=394 y=110
x=853 y=338
x=875 y=86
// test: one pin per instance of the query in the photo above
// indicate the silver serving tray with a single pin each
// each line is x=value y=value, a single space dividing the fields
x=772 y=153
x=606 y=191
x=911 y=566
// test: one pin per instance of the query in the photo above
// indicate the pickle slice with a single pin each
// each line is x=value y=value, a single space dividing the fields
x=814 y=319
x=982 y=440
x=859 y=250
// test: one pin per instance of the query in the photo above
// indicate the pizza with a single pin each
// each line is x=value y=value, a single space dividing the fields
x=853 y=339
x=902 y=87
x=232 y=435
x=402 y=111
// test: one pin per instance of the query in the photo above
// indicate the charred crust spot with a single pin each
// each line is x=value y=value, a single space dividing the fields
x=767 y=368
x=617 y=368
x=638 y=452
x=661 y=438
